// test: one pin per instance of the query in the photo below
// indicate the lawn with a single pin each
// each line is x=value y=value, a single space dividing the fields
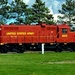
x=37 y=64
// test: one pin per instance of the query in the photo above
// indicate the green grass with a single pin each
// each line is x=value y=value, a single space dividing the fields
x=38 y=64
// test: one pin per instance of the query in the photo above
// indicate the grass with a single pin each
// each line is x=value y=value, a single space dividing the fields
x=37 y=64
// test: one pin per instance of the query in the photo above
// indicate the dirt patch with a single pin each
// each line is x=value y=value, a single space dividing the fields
x=60 y=62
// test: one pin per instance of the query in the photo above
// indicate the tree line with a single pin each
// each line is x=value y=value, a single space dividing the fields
x=68 y=11
x=37 y=13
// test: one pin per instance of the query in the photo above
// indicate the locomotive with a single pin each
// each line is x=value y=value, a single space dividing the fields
x=19 y=38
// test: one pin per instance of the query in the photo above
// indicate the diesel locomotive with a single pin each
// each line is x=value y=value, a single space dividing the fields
x=19 y=38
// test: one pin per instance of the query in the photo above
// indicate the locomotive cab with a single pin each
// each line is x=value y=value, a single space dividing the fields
x=63 y=31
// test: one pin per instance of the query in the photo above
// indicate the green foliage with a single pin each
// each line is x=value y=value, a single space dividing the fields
x=4 y=9
x=18 y=8
x=20 y=12
x=68 y=10
x=39 y=13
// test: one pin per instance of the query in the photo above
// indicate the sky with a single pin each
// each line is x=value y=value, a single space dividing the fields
x=53 y=5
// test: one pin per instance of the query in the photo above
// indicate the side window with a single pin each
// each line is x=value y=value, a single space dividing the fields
x=64 y=30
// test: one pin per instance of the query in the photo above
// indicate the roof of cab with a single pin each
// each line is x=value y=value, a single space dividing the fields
x=63 y=26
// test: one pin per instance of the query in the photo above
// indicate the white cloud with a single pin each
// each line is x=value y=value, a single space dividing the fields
x=51 y=11
x=55 y=5
x=26 y=1
x=56 y=16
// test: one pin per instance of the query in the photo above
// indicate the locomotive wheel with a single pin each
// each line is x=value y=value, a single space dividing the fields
x=73 y=49
x=3 y=49
x=59 y=49
x=20 y=49
x=70 y=49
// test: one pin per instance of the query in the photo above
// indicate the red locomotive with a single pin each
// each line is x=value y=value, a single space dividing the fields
x=18 y=38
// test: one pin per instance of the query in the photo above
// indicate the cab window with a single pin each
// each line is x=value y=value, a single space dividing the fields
x=64 y=30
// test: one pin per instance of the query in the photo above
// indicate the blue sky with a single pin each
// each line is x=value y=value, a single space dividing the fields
x=53 y=5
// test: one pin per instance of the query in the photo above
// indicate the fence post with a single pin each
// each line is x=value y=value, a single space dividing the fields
x=42 y=48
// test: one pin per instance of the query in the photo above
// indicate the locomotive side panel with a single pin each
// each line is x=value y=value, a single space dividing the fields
x=9 y=34
x=20 y=34
x=51 y=34
x=0 y=35
x=28 y=34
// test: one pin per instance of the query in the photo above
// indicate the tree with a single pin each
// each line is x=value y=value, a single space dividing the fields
x=68 y=11
x=4 y=9
x=18 y=10
x=39 y=13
